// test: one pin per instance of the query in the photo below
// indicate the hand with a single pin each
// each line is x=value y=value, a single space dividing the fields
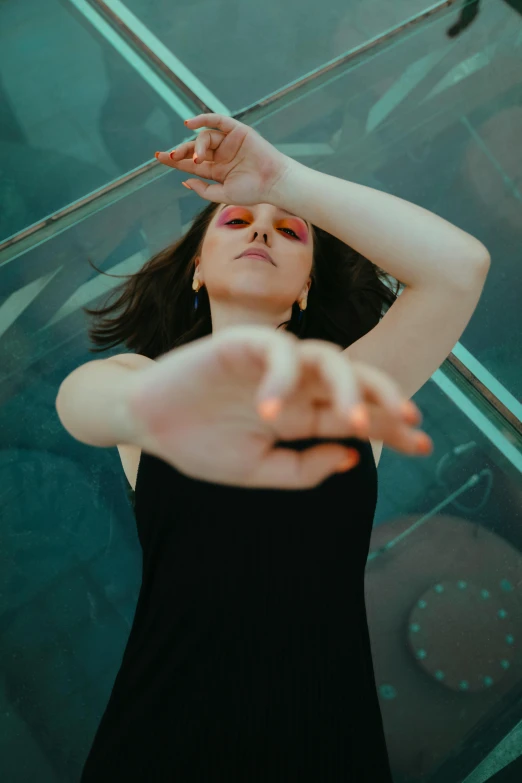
x=215 y=408
x=246 y=166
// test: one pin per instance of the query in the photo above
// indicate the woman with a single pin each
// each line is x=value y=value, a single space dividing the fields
x=249 y=657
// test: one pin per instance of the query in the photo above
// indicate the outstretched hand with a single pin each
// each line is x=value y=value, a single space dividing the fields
x=216 y=408
x=245 y=167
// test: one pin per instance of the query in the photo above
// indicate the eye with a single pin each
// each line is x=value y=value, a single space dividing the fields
x=244 y=221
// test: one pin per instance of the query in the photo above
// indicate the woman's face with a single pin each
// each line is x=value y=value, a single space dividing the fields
x=252 y=283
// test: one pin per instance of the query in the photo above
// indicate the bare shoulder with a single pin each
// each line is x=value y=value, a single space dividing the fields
x=135 y=361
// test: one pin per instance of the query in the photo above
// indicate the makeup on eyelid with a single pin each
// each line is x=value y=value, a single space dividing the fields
x=234 y=213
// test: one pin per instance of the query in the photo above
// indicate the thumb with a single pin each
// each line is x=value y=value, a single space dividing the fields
x=288 y=469
x=211 y=192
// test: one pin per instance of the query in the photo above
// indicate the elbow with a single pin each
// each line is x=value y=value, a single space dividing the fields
x=477 y=267
x=482 y=258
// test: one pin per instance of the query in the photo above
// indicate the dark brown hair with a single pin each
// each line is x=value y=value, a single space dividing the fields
x=154 y=310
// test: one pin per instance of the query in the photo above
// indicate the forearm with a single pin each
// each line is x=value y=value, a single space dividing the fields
x=410 y=243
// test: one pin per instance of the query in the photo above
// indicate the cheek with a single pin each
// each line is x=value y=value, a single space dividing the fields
x=303 y=264
x=214 y=251
x=293 y=274
x=211 y=245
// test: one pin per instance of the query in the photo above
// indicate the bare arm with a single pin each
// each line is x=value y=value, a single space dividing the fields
x=197 y=397
x=90 y=400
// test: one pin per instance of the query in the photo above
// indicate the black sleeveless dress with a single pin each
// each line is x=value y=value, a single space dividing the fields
x=249 y=657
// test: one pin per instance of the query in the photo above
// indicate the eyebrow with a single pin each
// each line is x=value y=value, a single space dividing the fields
x=280 y=209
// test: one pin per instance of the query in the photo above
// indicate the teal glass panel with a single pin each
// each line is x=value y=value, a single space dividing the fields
x=244 y=50
x=78 y=108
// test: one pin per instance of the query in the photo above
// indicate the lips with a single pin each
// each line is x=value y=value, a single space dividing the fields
x=257 y=253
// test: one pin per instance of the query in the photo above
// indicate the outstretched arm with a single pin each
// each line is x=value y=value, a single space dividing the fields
x=410 y=243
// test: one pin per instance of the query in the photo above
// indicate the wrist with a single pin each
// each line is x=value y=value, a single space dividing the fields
x=282 y=194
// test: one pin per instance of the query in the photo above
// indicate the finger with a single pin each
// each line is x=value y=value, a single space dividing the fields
x=220 y=121
x=274 y=352
x=179 y=157
x=280 y=378
x=336 y=371
x=396 y=434
x=198 y=150
x=289 y=469
x=205 y=145
x=182 y=160
x=212 y=192
x=377 y=387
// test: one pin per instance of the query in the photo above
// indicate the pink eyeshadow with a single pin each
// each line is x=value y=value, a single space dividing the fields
x=230 y=213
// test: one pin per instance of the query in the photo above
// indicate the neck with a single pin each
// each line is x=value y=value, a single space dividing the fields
x=224 y=317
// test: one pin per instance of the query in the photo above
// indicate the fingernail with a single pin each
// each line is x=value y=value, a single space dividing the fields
x=171 y=156
x=195 y=158
x=349 y=462
x=186 y=186
x=269 y=409
x=424 y=443
x=156 y=154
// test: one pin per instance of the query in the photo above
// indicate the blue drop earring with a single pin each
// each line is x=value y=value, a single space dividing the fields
x=196 y=285
x=302 y=308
